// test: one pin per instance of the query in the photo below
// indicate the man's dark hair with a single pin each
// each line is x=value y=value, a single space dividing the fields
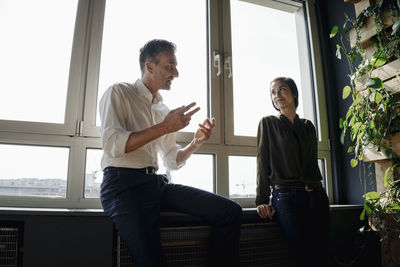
x=152 y=48
x=292 y=86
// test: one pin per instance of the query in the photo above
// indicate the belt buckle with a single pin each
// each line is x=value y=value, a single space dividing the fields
x=308 y=188
x=150 y=170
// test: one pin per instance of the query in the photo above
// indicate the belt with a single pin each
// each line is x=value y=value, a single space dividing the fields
x=307 y=187
x=146 y=170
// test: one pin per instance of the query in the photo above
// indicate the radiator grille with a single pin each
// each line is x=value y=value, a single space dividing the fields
x=261 y=244
x=9 y=245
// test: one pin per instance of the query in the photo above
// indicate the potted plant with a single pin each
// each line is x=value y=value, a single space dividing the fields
x=373 y=119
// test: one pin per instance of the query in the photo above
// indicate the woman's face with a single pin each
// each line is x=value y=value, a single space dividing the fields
x=281 y=95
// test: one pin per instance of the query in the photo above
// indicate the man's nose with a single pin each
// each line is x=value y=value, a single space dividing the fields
x=176 y=72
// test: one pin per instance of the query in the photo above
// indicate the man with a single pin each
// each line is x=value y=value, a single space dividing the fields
x=135 y=126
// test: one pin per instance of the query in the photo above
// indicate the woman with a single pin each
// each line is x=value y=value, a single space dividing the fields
x=287 y=164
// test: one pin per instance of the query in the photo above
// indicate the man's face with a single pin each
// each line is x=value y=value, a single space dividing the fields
x=164 y=70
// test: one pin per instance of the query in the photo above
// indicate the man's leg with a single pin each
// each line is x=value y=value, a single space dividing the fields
x=131 y=199
x=224 y=215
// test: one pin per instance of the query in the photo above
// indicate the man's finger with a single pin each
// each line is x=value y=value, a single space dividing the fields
x=186 y=108
x=190 y=114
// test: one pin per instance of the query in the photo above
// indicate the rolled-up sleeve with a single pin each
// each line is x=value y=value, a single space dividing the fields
x=113 y=124
x=169 y=151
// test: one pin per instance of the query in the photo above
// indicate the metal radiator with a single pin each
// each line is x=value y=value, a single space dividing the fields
x=11 y=244
x=261 y=244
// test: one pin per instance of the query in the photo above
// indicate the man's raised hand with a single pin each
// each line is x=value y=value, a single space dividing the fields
x=179 y=118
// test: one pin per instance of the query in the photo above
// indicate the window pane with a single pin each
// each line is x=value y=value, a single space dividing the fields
x=35 y=51
x=128 y=25
x=33 y=171
x=93 y=173
x=242 y=177
x=198 y=172
x=260 y=54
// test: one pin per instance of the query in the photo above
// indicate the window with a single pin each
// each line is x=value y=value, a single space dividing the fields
x=44 y=172
x=227 y=53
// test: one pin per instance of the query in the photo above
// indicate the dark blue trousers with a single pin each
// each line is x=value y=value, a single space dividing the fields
x=304 y=219
x=134 y=199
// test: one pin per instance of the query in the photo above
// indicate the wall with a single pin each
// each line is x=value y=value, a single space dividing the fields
x=71 y=238
x=349 y=183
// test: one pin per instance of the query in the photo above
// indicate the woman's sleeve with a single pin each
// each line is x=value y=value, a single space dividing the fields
x=263 y=167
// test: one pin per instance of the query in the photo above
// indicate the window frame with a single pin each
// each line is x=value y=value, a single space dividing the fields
x=79 y=132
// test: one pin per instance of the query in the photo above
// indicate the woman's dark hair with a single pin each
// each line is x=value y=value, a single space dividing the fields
x=152 y=48
x=292 y=86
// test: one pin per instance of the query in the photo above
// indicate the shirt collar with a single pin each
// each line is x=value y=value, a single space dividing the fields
x=142 y=90
x=285 y=119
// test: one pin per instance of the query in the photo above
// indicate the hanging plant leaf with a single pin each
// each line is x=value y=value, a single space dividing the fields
x=341 y=123
x=334 y=31
x=396 y=25
x=342 y=136
x=378 y=60
x=353 y=163
x=374 y=83
x=372 y=196
x=378 y=97
x=346 y=91
x=338 y=54
x=362 y=218
x=350 y=150
x=394 y=206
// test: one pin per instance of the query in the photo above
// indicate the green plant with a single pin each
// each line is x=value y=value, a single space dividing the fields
x=374 y=113
x=383 y=211
x=372 y=116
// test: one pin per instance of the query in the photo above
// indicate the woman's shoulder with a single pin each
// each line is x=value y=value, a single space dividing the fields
x=270 y=119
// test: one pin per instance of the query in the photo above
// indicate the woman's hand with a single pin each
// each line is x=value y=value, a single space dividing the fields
x=265 y=211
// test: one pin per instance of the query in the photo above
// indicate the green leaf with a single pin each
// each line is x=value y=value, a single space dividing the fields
x=354 y=57
x=378 y=59
x=350 y=149
x=346 y=91
x=378 y=97
x=395 y=27
x=338 y=54
x=374 y=83
x=341 y=123
x=356 y=127
x=353 y=162
x=349 y=113
x=362 y=218
x=372 y=196
x=394 y=206
x=334 y=31
x=385 y=177
x=342 y=136
x=367 y=209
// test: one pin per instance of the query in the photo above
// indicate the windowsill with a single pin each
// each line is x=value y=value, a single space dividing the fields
x=249 y=213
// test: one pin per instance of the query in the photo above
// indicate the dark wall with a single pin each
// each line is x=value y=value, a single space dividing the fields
x=349 y=183
x=75 y=239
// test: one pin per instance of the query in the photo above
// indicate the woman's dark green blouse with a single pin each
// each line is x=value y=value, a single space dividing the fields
x=286 y=153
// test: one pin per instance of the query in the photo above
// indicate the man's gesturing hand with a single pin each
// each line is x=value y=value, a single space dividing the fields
x=204 y=131
x=177 y=118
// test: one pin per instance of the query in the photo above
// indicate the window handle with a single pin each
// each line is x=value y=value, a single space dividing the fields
x=228 y=65
x=217 y=62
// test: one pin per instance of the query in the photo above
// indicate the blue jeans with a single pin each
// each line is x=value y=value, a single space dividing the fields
x=304 y=219
x=134 y=199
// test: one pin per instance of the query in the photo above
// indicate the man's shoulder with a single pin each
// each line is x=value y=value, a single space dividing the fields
x=122 y=86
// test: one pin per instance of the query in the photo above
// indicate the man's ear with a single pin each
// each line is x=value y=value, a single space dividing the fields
x=149 y=66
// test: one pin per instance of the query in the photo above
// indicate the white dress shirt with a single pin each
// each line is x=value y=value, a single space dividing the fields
x=126 y=108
